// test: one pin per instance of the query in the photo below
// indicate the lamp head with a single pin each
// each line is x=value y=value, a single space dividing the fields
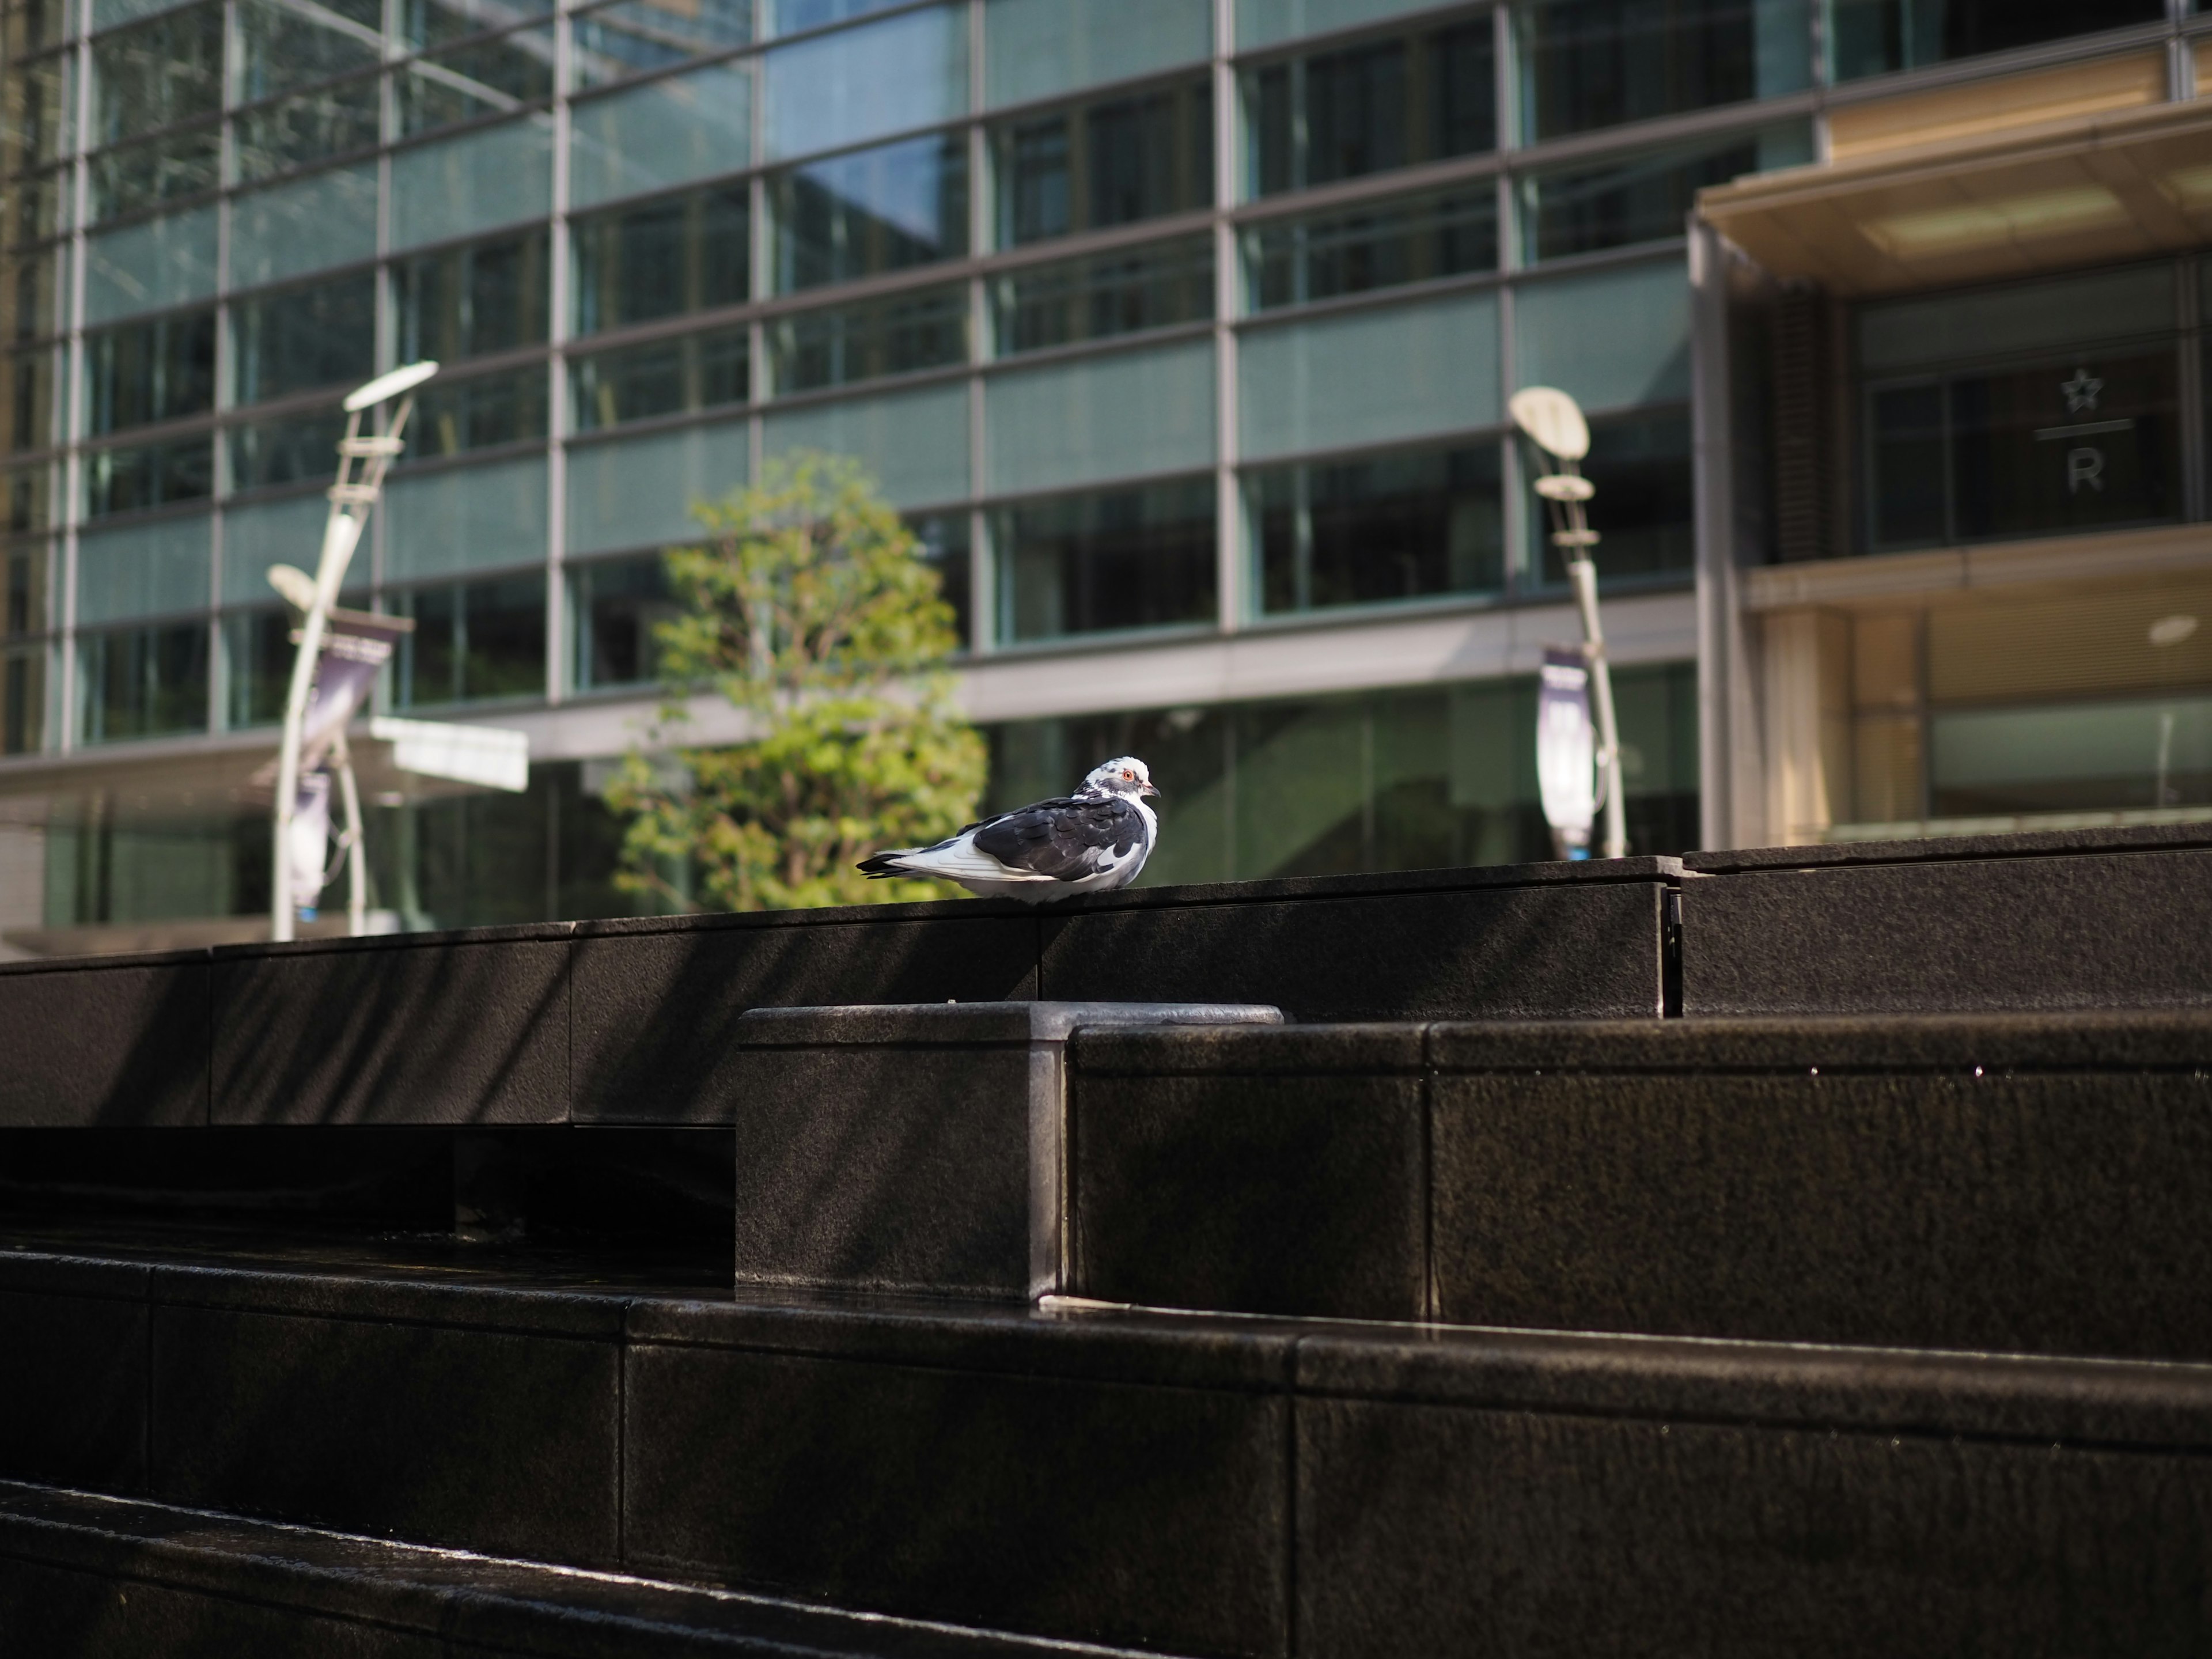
x=1552 y=419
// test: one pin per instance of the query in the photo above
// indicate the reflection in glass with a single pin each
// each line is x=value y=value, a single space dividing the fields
x=143 y=682
x=296 y=131
x=635 y=37
x=944 y=538
x=1372 y=107
x=23 y=602
x=1384 y=527
x=26 y=415
x=1643 y=510
x=36 y=122
x=321 y=335
x=151 y=475
x=1113 y=161
x=154 y=74
x=454 y=417
x=468 y=83
x=466 y=301
x=283 y=45
x=30 y=294
x=1104 y=295
x=257 y=667
x=33 y=208
x=1589 y=63
x=662 y=377
x=614 y=606
x=23 y=701
x=1872 y=37
x=1377 y=245
x=1644 y=198
x=146 y=372
x=285 y=450
x=28 y=501
x=878 y=210
x=35 y=24
x=896 y=335
x=1112 y=559
x=859 y=84
x=790 y=16
x=663 y=258
x=436 y=22
x=471 y=641
x=168 y=168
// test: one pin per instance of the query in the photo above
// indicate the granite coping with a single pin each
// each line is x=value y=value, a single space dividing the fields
x=964 y=1023
x=1935 y=849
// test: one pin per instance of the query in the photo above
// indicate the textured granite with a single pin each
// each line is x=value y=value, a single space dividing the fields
x=2113 y=931
x=434 y=1030
x=122 y=1043
x=1100 y=1512
x=657 y=1009
x=445 y=1434
x=1563 y=951
x=2024 y=843
x=1252 y=1194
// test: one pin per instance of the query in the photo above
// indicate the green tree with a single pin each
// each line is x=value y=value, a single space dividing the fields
x=809 y=608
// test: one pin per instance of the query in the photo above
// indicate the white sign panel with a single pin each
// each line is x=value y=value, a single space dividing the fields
x=485 y=755
x=1566 y=749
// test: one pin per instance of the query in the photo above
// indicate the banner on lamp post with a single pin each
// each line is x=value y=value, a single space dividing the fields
x=309 y=854
x=1566 y=750
x=355 y=650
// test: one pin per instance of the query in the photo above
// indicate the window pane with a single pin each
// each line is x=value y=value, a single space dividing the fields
x=123 y=480
x=436 y=22
x=310 y=225
x=31 y=293
x=1643 y=508
x=471 y=641
x=1264 y=22
x=27 y=416
x=146 y=570
x=663 y=259
x=305 y=337
x=453 y=417
x=1414 y=239
x=1084 y=564
x=1589 y=63
x=1909 y=505
x=913 y=444
x=23 y=701
x=168 y=168
x=465 y=517
x=1036 y=48
x=1122 y=415
x=859 y=215
x=1379 y=528
x=682 y=128
x=495 y=176
x=944 y=538
x=1870 y=37
x=150 y=266
x=293 y=132
x=1112 y=162
x=614 y=606
x=900 y=335
x=143 y=683
x=35 y=25
x=23 y=603
x=160 y=72
x=257 y=664
x=2035 y=316
x=845 y=88
x=282 y=46
x=148 y=372
x=635 y=37
x=1372 y=107
x=640 y=492
x=279 y=532
x=33 y=208
x=1610 y=339
x=1644 y=198
x=790 y=16
x=664 y=377
x=466 y=301
x=2070 y=444
x=491 y=77
x=285 y=451
x=1409 y=371
x=1104 y=295
x=34 y=119
x=27 y=496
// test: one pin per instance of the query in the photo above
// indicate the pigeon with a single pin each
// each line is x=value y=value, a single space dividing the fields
x=1090 y=841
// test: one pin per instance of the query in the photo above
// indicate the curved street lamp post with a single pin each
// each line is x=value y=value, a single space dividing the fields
x=352 y=498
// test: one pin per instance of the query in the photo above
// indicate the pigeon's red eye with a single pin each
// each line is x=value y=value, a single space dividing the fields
x=1126 y=773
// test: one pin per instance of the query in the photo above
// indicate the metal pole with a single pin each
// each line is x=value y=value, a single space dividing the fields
x=357 y=861
x=340 y=535
x=1583 y=574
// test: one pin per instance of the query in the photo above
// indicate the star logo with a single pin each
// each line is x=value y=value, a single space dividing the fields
x=2081 y=391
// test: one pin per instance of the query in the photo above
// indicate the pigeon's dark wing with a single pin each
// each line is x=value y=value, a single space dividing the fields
x=1065 y=839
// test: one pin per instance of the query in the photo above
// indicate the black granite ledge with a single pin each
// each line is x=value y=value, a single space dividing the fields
x=281 y=1586
x=1943 y=849
x=1263 y=1051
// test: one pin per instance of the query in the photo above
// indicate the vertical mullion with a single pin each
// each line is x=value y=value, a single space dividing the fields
x=981 y=211
x=1229 y=561
x=70 y=395
x=557 y=657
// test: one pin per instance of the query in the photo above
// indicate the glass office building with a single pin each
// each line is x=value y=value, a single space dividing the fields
x=1181 y=330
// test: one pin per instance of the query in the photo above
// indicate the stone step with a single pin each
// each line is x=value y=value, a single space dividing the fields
x=1224 y=1487
x=2018 y=1183
x=102 y=1577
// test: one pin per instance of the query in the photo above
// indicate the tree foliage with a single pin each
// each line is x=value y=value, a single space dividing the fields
x=809 y=607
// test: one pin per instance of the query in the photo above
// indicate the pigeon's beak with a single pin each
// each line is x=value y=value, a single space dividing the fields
x=1147 y=789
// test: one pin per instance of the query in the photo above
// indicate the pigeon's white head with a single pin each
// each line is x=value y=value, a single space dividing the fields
x=1126 y=776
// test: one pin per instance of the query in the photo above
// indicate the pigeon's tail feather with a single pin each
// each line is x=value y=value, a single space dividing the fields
x=878 y=866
